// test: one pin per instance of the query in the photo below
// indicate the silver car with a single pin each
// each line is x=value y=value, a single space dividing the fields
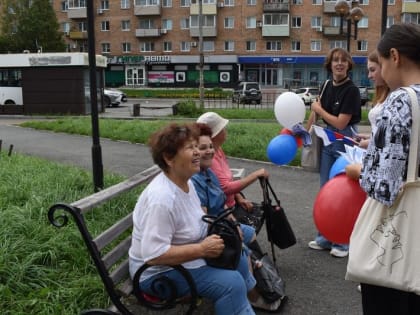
x=114 y=97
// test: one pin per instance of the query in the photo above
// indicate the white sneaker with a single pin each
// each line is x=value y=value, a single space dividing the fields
x=339 y=253
x=315 y=245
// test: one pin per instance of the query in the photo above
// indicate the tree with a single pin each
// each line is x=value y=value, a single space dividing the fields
x=30 y=25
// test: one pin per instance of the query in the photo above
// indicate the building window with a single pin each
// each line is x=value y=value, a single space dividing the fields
x=411 y=18
x=104 y=26
x=75 y=4
x=167 y=3
x=146 y=2
x=274 y=45
x=65 y=27
x=362 y=45
x=315 y=45
x=208 y=45
x=167 y=46
x=167 y=24
x=296 y=22
x=106 y=48
x=125 y=4
x=147 y=24
x=295 y=45
x=364 y=22
x=316 y=2
x=229 y=45
x=82 y=26
x=229 y=22
x=185 y=23
x=335 y=21
x=229 y=3
x=104 y=5
x=126 y=47
x=125 y=25
x=208 y=21
x=364 y=2
x=185 y=46
x=251 y=2
x=389 y=21
x=251 y=45
x=298 y=2
x=391 y=2
x=64 y=6
x=316 y=22
x=251 y=22
x=147 y=46
x=185 y=3
x=276 y=19
x=338 y=44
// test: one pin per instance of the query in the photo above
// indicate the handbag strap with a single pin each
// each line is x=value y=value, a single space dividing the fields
x=267 y=189
x=412 y=169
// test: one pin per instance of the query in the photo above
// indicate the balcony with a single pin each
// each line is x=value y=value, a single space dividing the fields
x=275 y=30
x=276 y=6
x=142 y=10
x=330 y=30
x=148 y=32
x=77 y=13
x=329 y=6
x=410 y=7
x=78 y=35
x=208 y=9
x=207 y=31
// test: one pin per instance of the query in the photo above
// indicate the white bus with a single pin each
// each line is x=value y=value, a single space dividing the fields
x=11 y=86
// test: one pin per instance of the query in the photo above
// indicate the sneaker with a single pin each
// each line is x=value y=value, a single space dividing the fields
x=315 y=245
x=261 y=304
x=359 y=288
x=339 y=253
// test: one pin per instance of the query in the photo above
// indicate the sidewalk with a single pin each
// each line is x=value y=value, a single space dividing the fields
x=314 y=280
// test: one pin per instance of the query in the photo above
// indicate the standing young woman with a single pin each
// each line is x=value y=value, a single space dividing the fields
x=339 y=108
x=384 y=169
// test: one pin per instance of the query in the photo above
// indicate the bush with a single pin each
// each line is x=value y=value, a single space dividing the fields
x=189 y=108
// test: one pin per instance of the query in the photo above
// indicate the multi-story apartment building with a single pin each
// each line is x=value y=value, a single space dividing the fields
x=279 y=43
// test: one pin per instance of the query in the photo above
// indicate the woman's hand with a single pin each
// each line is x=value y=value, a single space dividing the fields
x=244 y=203
x=317 y=108
x=212 y=246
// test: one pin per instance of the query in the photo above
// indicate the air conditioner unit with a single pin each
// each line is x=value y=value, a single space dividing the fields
x=100 y=11
x=163 y=31
x=193 y=44
x=180 y=77
x=319 y=29
x=259 y=24
x=224 y=77
x=220 y=4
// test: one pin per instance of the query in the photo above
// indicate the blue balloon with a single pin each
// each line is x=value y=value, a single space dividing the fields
x=282 y=149
x=338 y=167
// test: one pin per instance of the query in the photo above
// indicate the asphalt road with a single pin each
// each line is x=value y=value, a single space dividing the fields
x=314 y=280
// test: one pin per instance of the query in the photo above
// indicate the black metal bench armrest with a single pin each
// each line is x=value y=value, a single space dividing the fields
x=160 y=304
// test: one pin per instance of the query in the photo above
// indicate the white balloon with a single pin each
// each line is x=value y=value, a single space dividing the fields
x=289 y=109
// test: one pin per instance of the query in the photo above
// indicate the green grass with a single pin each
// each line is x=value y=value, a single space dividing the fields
x=45 y=270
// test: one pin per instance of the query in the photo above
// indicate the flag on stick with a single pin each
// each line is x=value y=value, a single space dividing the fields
x=329 y=136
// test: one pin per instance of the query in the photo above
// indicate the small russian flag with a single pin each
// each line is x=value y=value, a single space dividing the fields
x=329 y=136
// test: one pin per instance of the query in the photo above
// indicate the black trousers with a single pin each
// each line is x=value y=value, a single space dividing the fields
x=378 y=300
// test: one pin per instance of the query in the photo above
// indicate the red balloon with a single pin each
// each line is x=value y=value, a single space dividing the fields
x=336 y=208
x=298 y=139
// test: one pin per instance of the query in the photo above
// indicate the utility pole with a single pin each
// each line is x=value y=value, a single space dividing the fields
x=200 y=49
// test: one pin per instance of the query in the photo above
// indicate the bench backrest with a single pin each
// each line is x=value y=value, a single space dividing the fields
x=113 y=265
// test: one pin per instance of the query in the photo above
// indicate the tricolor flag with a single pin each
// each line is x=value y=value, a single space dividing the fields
x=329 y=136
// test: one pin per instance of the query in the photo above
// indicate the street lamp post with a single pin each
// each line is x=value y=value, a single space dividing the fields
x=351 y=15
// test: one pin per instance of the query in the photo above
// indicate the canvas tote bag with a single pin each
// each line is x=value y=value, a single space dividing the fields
x=385 y=242
x=311 y=155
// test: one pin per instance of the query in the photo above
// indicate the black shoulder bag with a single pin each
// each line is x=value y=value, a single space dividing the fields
x=228 y=231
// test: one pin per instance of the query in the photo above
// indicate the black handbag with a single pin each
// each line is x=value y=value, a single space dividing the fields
x=278 y=227
x=228 y=231
x=269 y=283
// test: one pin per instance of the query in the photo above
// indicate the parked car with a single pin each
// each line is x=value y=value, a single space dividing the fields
x=114 y=97
x=308 y=94
x=364 y=95
x=247 y=93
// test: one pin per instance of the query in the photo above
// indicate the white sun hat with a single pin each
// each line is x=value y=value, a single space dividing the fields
x=214 y=121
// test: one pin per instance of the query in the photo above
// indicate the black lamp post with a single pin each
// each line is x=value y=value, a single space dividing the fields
x=351 y=15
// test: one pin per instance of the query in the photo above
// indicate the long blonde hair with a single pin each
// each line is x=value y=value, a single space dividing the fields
x=382 y=91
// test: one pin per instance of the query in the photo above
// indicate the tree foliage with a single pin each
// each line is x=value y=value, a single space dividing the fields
x=29 y=25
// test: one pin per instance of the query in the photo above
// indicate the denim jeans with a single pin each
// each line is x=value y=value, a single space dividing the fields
x=227 y=289
x=329 y=155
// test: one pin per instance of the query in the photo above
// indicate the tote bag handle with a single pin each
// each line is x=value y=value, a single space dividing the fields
x=412 y=170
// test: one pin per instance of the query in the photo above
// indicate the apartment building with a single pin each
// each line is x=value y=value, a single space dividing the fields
x=279 y=43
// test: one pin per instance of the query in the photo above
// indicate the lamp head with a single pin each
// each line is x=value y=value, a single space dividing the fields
x=342 y=7
x=356 y=14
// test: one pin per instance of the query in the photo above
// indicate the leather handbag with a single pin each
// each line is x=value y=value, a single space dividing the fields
x=384 y=245
x=278 y=227
x=228 y=231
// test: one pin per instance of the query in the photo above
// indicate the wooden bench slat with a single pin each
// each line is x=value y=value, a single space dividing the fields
x=120 y=273
x=109 y=193
x=113 y=232
x=117 y=253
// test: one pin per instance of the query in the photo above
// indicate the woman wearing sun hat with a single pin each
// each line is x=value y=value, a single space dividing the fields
x=220 y=167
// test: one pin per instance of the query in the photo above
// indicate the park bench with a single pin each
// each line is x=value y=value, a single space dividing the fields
x=137 y=108
x=109 y=253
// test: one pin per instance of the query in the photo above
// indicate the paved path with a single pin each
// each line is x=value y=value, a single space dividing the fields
x=314 y=280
